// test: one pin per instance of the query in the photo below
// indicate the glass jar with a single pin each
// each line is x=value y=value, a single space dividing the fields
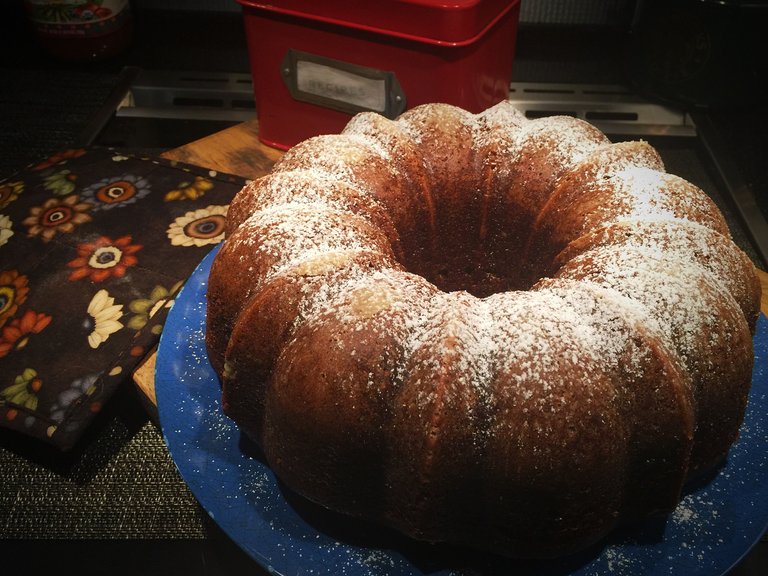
x=82 y=31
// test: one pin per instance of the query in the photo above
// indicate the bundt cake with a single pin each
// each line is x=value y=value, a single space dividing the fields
x=506 y=333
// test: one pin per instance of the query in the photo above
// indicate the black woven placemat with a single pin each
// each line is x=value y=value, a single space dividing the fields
x=44 y=111
x=120 y=482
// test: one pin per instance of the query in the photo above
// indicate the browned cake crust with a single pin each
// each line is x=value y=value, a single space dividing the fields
x=480 y=329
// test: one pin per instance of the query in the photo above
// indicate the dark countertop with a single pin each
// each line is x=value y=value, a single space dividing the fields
x=46 y=103
x=117 y=502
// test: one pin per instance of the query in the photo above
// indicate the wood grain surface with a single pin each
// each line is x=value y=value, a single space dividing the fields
x=237 y=150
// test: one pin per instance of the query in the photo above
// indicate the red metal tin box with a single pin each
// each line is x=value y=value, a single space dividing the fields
x=315 y=64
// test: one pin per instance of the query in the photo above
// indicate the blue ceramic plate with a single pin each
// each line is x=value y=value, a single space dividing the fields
x=714 y=526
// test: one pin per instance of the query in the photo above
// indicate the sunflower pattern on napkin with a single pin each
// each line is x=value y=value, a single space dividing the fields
x=94 y=245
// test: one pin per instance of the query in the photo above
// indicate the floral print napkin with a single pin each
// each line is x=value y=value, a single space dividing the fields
x=94 y=245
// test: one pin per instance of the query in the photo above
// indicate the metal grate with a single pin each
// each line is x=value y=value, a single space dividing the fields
x=614 y=109
x=229 y=96
x=189 y=95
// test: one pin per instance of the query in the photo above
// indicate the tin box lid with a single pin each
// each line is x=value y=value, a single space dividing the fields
x=445 y=22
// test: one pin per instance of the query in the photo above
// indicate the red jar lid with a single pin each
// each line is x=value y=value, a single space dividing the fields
x=444 y=22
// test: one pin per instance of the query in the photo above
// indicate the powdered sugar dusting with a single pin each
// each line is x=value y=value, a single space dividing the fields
x=568 y=140
x=688 y=244
x=287 y=233
x=639 y=193
x=561 y=317
x=457 y=330
x=662 y=281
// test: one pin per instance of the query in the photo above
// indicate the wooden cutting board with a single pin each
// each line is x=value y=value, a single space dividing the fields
x=237 y=150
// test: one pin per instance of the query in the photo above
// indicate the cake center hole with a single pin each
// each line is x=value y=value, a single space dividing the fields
x=477 y=268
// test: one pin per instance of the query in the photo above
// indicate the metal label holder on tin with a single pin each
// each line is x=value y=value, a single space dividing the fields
x=340 y=85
